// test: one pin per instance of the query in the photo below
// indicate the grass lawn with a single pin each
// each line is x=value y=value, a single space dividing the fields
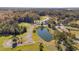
x=2 y=40
x=25 y=24
x=48 y=46
x=31 y=47
x=43 y=17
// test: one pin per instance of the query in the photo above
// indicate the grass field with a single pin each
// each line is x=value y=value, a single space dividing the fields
x=31 y=47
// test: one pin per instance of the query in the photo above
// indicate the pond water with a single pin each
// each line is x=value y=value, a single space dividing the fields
x=44 y=34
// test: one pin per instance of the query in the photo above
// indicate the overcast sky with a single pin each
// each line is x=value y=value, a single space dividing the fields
x=39 y=3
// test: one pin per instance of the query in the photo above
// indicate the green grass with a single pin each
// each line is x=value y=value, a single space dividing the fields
x=2 y=40
x=24 y=24
x=43 y=17
x=32 y=47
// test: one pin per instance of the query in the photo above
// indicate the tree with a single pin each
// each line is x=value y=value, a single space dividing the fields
x=41 y=46
x=42 y=27
x=14 y=44
x=20 y=19
x=11 y=28
x=34 y=31
x=27 y=19
x=49 y=25
x=67 y=42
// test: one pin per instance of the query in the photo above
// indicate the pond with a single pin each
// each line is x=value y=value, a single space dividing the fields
x=44 y=33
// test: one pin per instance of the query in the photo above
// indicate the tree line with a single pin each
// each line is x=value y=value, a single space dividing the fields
x=11 y=28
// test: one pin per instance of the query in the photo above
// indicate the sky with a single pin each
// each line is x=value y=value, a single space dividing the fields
x=39 y=3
